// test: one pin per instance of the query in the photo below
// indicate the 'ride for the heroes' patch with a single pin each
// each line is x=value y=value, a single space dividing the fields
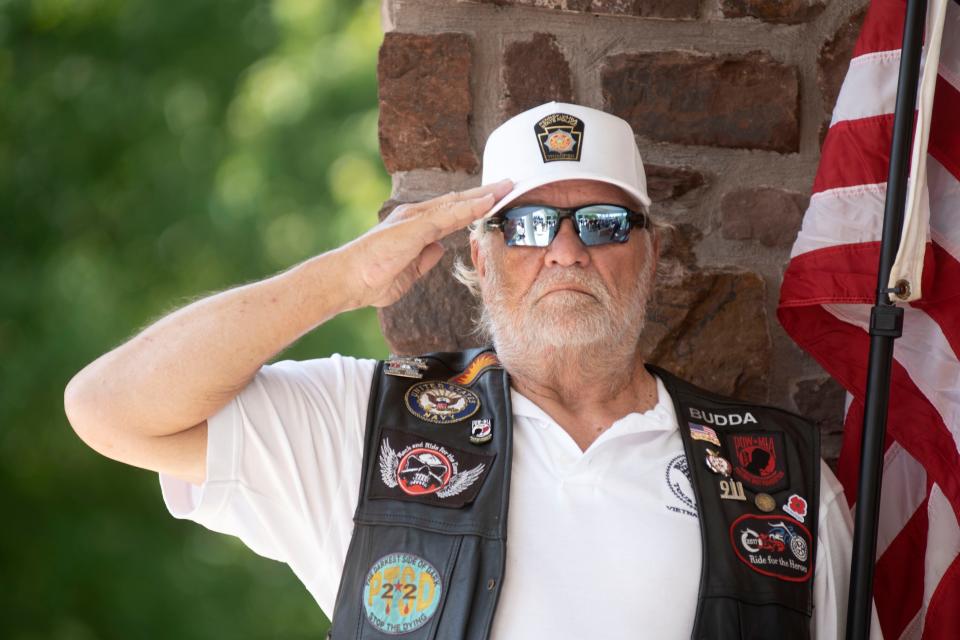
x=441 y=402
x=775 y=546
x=560 y=136
x=418 y=470
x=759 y=461
x=401 y=593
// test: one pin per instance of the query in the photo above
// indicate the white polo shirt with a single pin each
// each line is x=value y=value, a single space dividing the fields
x=602 y=543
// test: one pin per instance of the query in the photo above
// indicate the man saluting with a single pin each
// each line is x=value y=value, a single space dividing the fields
x=553 y=486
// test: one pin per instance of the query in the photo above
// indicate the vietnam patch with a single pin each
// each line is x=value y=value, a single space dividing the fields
x=759 y=461
x=560 y=136
x=401 y=593
x=775 y=546
x=419 y=470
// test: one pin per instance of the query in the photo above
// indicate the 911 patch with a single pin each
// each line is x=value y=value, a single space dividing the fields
x=775 y=546
x=560 y=136
x=419 y=470
x=759 y=461
x=401 y=593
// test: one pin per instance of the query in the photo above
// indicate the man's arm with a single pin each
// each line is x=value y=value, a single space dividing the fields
x=146 y=402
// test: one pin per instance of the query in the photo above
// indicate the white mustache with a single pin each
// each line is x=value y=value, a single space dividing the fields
x=591 y=282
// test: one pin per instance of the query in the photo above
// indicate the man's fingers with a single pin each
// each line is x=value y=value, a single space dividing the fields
x=497 y=189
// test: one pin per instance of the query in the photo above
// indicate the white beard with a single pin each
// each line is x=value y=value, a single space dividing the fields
x=600 y=330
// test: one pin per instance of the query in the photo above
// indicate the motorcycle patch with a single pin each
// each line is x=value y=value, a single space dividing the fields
x=758 y=460
x=775 y=546
x=441 y=402
x=401 y=593
x=560 y=136
x=418 y=470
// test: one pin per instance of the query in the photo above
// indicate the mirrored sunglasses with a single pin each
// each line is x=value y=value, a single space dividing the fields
x=536 y=225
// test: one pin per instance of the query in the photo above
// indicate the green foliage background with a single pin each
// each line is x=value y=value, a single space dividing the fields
x=151 y=152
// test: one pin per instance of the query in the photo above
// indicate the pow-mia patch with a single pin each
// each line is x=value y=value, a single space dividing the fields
x=441 y=402
x=401 y=593
x=678 y=480
x=776 y=546
x=758 y=460
x=418 y=470
x=560 y=137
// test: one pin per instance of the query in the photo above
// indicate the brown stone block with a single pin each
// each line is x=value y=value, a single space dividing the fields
x=669 y=183
x=535 y=72
x=746 y=101
x=833 y=61
x=677 y=9
x=771 y=216
x=426 y=103
x=710 y=327
x=821 y=400
x=780 y=11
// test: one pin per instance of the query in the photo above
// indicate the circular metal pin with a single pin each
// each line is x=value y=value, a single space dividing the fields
x=765 y=502
x=718 y=464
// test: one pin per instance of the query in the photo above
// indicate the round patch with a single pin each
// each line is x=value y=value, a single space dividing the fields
x=401 y=593
x=422 y=471
x=678 y=479
x=765 y=502
x=441 y=402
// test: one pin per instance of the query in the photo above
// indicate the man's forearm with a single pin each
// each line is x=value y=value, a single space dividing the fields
x=183 y=368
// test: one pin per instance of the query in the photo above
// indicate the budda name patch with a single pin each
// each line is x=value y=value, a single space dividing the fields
x=401 y=593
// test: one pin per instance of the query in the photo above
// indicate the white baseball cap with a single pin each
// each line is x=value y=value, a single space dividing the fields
x=558 y=141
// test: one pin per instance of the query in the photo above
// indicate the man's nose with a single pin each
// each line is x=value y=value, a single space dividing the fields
x=567 y=249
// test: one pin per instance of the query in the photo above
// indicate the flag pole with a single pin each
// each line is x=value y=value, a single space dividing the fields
x=886 y=325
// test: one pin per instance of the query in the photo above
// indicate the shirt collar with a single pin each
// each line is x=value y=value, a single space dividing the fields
x=661 y=417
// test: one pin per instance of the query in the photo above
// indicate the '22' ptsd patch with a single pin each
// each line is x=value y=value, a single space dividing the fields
x=401 y=593
x=776 y=546
x=418 y=470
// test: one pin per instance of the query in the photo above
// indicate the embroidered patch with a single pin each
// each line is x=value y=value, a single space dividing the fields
x=422 y=471
x=700 y=432
x=796 y=507
x=775 y=546
x=484 y=361
x=560 y=136
x=758 y=460
x=481 y=431
x=441 y=402
x=678 y=480
x=401 y=593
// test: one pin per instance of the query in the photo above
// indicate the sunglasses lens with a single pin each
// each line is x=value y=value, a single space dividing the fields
x=603 y=224
x=532 y=226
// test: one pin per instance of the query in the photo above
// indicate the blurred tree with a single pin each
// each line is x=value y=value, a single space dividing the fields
x=151 y=152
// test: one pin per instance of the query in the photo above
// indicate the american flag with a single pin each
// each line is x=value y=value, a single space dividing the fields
x=827 y=292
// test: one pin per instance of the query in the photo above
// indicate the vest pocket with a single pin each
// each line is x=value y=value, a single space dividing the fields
x=397 y=583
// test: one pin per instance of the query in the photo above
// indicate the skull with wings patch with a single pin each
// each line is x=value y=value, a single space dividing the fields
x=425 y=468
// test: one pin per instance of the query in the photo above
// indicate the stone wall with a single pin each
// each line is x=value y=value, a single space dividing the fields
x=729 y=99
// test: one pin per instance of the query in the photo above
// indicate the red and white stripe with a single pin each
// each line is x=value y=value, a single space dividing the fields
x=825 y=302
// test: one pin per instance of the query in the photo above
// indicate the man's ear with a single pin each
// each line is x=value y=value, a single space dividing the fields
x=477 y=257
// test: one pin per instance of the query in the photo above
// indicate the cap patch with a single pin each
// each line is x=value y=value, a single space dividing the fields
x=560 y=137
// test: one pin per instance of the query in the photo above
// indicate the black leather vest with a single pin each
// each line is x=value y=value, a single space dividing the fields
x=427 y=555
